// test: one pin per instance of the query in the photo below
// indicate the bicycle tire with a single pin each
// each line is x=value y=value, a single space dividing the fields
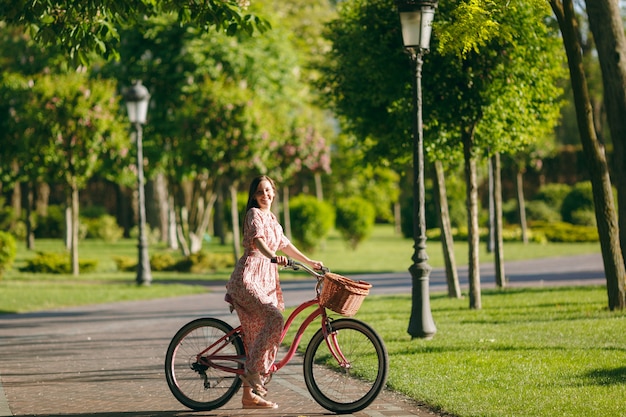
x=195 y=385
x=346 y=389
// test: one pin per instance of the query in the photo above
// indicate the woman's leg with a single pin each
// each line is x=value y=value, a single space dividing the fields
x=264 y=339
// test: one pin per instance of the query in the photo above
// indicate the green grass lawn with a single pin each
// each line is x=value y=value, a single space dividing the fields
x=546 y=352
x=528 y=352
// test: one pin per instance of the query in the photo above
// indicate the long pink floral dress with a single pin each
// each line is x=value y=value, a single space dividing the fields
x=255 y=291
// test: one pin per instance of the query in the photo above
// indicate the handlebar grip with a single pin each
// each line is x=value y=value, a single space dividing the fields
x=289 y=262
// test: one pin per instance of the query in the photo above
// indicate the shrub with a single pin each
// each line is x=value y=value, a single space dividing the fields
x=56 y=263
x=104 y=227
x=553 y=194
x=8 y=250
x=125 y=263
x=161 y=262
x=311 y=221
x=541 y=211
x=355 y=219
x=52 y=225
x=204 y=261
x=579 y=198
x=566 y=232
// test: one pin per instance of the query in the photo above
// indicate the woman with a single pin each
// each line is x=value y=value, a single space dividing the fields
x=255 y=291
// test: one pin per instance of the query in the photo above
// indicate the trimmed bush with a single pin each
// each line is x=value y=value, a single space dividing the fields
x=56 y=263
x=355 y=219
x=553 y=194
x=125 y=263
x=8 y=250
x=580 y=198
x=53 y=225
x=104 y=227
x=566 y=232
x=542 y=211
x=311 y=221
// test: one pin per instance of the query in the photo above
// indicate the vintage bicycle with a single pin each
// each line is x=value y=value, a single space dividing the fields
x=345 y=364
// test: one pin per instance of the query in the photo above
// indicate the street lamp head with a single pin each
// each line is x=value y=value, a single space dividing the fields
x=416 y=18
x=137 y=98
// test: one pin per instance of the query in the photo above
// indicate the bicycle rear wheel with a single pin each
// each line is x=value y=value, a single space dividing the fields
x=194 y=383
x=353 y=385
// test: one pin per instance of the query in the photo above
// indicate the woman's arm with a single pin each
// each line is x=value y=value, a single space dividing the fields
x=295 y=253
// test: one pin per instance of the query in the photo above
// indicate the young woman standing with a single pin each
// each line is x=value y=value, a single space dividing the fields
x=255 y=292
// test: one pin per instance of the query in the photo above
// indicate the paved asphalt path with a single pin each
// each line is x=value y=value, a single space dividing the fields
x=107 y=360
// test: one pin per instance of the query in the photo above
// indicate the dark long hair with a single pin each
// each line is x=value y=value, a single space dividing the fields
x=253 y=187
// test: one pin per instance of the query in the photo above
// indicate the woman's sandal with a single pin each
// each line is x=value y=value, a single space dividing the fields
x=257 y=403
x=255 y=382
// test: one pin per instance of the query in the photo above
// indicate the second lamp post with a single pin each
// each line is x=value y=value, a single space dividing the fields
x=137 y=98
x=416 y=17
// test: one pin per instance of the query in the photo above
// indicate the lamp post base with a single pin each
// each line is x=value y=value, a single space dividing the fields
x=421 y=323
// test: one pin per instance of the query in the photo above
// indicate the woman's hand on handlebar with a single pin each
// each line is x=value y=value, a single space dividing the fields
x=317 y=265
x=280 y=260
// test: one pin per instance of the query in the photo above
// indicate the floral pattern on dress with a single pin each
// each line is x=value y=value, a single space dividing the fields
x=254 y=289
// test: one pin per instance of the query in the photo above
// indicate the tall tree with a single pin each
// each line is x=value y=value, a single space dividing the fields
x=73 y=127
x=86 y=28
x=606 y=216
x=496 y=67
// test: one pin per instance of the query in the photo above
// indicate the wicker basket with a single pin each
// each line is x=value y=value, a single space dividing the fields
x=343 y=295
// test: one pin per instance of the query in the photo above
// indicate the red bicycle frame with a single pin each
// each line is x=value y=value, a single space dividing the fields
x=211 y=355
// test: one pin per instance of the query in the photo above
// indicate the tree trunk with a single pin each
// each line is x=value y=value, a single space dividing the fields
x=521 y=202
x=286 y=213
x=42 y=199
x=497 y=217
x=16 y=199
x=447 y=241
x=492 y=222
x=172 y=236
x=319 y=190
x=160 y=206
x=397 y=218
x=234 y=213
x=472 y=219
x=219 y=224
x=75 y=229
x=605 y=30
x=30 y=201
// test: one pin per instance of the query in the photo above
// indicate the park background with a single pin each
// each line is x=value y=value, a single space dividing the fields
x=224 y=108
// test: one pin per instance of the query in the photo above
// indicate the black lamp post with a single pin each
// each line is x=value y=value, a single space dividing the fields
x=137 y=98
x=416 y=17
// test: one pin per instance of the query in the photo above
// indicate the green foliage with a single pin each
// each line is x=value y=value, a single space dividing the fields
x=553 y=194
x=355 y=219
x=6 y=214
x=52 y=225
x=541 y=211
x=87 y=29
x=566 y=232
x=125 y=263
x=104 y=227
x=56 y=263
x=311 y=221
x=204 y=261
x=580 y=198
x=162 y=261
x=8 y=250
x=198 y=263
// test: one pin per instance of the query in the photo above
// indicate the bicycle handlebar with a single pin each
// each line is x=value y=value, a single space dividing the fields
x=295 y=265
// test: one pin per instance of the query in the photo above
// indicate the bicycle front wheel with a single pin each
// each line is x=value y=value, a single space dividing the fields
x=194 y=382
x=351 y=377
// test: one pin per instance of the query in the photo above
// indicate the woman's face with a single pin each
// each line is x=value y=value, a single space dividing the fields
x=264 y=195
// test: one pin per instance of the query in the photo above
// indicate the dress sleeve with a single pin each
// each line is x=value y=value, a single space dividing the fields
x=284 y=242
x=254 y=224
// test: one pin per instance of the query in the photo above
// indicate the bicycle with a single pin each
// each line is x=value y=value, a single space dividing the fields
x=345 y=364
